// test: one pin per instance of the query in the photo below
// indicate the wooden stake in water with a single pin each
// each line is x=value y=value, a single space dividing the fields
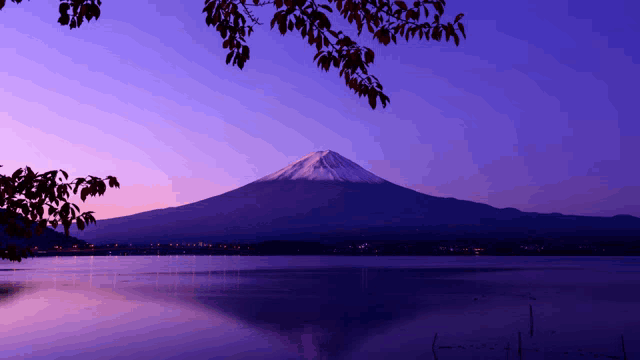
x=519 y=345
x=530 y=321
x=624 y=352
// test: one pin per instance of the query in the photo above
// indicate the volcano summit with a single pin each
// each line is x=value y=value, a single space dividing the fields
x=324 y=165
x=326 y=197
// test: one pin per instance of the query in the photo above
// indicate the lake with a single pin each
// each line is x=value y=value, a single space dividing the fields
x=319 y=307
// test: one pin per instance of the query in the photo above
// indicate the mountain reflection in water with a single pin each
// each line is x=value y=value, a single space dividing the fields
x=314 y=307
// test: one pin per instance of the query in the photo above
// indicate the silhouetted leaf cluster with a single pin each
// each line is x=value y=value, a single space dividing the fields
x=384 y=19
x=74 y=12
x=33 y=201
x=232 y=26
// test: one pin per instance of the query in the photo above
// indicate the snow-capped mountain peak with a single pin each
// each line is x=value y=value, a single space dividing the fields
x=324 y=165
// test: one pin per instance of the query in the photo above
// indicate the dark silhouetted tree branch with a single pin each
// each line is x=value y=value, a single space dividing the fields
x=383 y=18
x=29 y=201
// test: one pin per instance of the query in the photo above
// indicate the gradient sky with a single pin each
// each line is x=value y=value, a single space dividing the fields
x=537 y=109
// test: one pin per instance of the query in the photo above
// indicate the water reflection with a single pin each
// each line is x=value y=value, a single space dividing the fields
x=310 y=308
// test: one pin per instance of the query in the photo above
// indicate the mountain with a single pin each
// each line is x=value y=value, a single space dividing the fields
x=324 y=196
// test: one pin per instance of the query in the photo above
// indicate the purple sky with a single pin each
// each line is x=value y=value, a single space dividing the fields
x=536 y=110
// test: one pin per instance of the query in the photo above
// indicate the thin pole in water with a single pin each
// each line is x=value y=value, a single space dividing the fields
x=519 y=345
x=624 y=352
x=530 y=320
x=508 y=348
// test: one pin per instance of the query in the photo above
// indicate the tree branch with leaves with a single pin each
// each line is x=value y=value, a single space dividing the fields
x=384 y=19
x=32 y=201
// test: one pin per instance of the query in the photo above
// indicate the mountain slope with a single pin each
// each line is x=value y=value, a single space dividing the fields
x=325 y=196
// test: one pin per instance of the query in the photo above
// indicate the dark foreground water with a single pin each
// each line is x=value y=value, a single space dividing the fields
x=208 y=307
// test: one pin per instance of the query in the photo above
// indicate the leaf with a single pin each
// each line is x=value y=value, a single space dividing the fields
x=95 y=9
x=439 y=8
x=368 y=56
x=84 y=193
x=456 y=39
x=80 y=224
x=79 y=182
x=2 y=2
x=65 y=208
x=370 y=28
x=113 y=182
x=458 y=18
x=461 y=27
x=450 y=30
x=372 y=99
x=282 y=25
x=326 y=7
x=64 y=8
x=16 y=174
x=401 y=5
x=384 y=99
x=83 y=10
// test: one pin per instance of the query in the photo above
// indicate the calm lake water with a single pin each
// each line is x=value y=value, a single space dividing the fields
x=315 y=307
